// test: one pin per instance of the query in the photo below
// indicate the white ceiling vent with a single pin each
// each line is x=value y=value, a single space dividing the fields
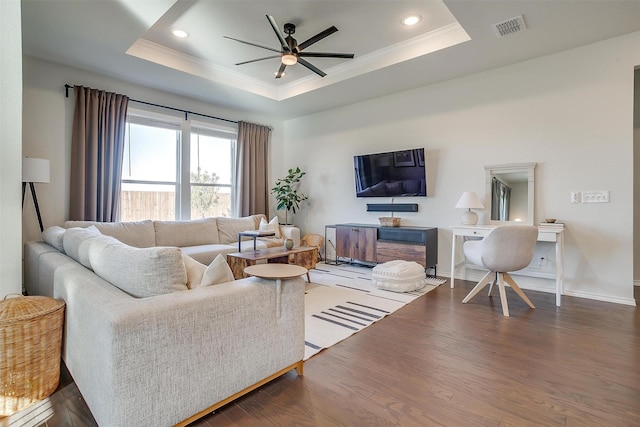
x=510 y=26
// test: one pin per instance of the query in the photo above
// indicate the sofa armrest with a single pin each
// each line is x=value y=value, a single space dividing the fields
x=291 y=232
x=159 y=360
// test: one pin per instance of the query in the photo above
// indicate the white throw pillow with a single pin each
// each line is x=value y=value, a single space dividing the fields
x=270 y=226
x=53 y=236
x=195 y=271
x=217 y=272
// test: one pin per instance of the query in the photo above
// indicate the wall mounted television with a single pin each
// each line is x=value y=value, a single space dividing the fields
x=393 y=174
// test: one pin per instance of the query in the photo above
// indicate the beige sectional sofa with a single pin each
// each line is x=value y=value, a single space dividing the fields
x=201 y=239
x=160 y=360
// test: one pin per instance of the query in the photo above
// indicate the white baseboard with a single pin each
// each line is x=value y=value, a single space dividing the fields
x=546 y=285
x=598 y=297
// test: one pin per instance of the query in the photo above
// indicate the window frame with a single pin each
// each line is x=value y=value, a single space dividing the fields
x=215 y=131
x=185 y=125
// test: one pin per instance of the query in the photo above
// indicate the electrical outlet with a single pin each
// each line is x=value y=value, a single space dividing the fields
x=534 y=264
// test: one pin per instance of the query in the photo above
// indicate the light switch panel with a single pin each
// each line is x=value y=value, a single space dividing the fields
x=576 y=197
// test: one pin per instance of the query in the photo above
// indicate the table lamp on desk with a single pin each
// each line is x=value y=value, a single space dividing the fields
x=469 y=200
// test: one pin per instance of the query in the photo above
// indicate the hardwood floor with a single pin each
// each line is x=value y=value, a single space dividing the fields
x=437 y=362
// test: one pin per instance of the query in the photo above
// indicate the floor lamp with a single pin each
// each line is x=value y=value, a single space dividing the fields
x=34 y=170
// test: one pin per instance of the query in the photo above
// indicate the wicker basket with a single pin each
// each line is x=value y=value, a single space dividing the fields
x=30 y=345
x=389 y=221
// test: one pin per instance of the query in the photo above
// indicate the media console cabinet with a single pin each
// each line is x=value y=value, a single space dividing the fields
x=377 y=244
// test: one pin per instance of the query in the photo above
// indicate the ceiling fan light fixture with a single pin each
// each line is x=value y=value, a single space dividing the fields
x=289 y=59
x=411 y=20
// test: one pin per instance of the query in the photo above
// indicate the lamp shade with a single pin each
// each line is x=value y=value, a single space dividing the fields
x=469 y=200
x=35 y=170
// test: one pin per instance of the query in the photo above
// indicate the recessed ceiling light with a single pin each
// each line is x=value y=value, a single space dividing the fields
x=411 y=20
x=180 y=33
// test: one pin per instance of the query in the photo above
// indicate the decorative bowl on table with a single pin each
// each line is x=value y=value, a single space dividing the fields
x=550 y=220
x=389 y=221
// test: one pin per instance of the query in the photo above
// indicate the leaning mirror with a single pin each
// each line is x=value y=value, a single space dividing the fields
x=509 y=194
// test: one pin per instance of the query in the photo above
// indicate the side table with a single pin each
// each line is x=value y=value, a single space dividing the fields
x=255 y=234
x=277 y=272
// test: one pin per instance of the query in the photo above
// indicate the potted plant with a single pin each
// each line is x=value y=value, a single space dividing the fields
x=286 y=192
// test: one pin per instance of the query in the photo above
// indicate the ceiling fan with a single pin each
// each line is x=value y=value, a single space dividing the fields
x=291 y=52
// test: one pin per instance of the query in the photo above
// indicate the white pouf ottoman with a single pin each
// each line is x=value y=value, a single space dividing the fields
x=399 y=276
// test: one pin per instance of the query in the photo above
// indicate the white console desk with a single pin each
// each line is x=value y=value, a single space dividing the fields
x=544 y=235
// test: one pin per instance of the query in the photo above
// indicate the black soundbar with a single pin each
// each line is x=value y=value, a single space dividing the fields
x=392 y=207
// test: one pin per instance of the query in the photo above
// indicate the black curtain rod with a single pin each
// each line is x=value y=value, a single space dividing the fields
x=186 y=112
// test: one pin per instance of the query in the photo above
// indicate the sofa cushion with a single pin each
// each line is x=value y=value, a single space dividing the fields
x=228 y=228
x=54 y=236
x=186 y=233
x=257 y=218
x=140 y=272
x=76 y=238
x=195 y=271
x=217 y=272
x=205 y=254
x=140 y=234
x=270 y=226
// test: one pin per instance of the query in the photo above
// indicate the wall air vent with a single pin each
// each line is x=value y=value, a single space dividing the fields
x=510 y=26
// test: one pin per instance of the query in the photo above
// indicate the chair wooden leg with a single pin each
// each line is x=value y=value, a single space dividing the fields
x=516 y=288
x=503 y=294
x=481 y=284
x=493 y=282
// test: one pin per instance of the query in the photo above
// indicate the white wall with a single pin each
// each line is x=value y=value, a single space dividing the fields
x=48 y=117
x=572 y=113
x=636 y=178
x=10 y=147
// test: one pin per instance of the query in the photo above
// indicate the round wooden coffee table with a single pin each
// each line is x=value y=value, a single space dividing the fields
x=276 y=272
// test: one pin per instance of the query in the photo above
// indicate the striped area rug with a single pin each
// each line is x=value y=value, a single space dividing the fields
x=341 y=300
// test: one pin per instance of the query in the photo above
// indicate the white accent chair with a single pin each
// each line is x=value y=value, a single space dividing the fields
x=506 y=248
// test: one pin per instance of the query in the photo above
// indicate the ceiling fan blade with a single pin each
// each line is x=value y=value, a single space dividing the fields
x=317 y=37
x=326 y=55
x=259 y=59
x=274 y=25
x=253 y=44
x=280 y=71
x=311 y=67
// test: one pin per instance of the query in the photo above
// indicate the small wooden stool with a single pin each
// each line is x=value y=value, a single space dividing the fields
x=313 y=240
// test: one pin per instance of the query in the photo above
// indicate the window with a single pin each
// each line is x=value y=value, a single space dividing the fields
x=173 y=169
x=212 y=170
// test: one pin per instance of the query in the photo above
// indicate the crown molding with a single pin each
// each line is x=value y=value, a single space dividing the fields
x=159 y=54
x=433 y=41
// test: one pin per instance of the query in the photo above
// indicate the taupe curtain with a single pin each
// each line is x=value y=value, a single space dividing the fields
x=97 y=146
x=252 y=164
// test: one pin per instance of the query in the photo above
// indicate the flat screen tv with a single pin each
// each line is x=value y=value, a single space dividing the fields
x=392 y=174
